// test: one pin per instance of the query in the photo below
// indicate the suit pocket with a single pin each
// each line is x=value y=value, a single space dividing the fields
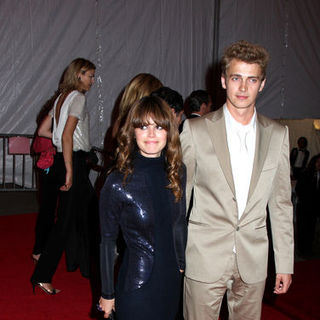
x=260 y=234
x=269 y=166
x=197 y=223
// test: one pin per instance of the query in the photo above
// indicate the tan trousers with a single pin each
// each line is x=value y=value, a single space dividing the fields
x=202 y=301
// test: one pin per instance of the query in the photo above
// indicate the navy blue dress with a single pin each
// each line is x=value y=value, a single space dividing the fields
x=159 y=296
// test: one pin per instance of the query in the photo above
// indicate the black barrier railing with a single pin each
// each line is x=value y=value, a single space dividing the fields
x=16 y=157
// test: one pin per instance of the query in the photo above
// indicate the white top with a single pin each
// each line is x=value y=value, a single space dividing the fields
x=299 y=160
x=241 y=143
x=74 y=105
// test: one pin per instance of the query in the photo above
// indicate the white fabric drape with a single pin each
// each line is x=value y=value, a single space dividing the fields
x=170 y=39
x=290 y=30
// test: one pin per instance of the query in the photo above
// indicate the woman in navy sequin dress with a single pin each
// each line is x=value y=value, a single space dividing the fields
x=144 y=197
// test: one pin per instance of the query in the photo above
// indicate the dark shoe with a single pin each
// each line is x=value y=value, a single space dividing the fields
x=42 y=285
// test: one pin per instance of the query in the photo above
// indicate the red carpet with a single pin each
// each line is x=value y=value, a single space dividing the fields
x=16 y=298
x=303 y=299
x=74 y=302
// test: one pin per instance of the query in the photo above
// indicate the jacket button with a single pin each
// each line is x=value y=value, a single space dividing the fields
x=237 y=228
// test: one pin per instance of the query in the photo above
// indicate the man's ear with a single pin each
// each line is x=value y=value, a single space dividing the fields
x=203 y=108
x=262 y=84
x=223 y=81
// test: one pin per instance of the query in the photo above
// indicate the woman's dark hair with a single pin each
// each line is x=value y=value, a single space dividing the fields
x=139 y=115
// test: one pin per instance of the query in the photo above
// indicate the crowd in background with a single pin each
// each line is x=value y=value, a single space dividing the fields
x=305 y=176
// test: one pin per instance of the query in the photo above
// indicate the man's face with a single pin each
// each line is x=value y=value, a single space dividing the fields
x=302 y=144
x=242 y=83
x=177 y=116
x=209 y=105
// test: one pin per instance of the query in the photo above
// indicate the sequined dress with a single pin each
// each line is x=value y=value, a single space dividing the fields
x=158 y=294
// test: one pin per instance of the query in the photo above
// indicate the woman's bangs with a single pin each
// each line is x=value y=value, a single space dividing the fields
x=158 y=115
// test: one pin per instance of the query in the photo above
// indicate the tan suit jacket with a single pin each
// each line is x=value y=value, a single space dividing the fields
x=214 y=228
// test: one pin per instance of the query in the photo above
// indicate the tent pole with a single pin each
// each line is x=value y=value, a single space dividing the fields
x=214 y=87
x=216 y=33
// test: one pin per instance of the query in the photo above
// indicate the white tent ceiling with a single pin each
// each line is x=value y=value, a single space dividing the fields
x=172 y=39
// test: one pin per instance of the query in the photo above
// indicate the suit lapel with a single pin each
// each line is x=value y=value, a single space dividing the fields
x=217 y=131
x=263 y=136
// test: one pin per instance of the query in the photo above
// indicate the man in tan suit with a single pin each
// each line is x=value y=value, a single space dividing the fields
x=238 y=165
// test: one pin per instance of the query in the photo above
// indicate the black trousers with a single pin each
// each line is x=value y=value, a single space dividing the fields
x=48 y=195
x=306 y=225
x=70 y=231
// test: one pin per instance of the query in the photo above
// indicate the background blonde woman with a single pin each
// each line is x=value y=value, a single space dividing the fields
x=68 y=125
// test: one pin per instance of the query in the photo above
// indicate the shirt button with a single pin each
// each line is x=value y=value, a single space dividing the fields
x=237 y=228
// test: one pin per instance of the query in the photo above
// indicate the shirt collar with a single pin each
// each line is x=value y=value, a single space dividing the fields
x=232 y=124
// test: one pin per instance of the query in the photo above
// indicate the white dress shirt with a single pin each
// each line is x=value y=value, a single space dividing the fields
x=299 y=160
x=241 y=143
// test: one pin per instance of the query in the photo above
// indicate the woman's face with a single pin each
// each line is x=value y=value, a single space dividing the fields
x=151 y=139
x=86 y=80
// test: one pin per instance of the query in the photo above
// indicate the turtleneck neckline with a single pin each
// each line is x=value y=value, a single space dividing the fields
x=142 y=161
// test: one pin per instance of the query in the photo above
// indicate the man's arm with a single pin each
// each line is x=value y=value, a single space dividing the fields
x=281 y=218
x=189 y=158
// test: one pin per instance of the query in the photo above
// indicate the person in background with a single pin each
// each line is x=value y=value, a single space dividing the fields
x=70 y=123
x=144 y=197
x=299 y=158
x=308 y=206
x=139 y=86
x=198 y=103
x=174 y=100
x=44 y=151
x=238 y=164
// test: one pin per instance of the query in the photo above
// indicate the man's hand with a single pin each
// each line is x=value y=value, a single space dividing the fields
x=283 y=282
x=107 y=306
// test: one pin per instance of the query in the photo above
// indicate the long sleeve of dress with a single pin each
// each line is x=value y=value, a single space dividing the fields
x=109 y=210
x=181 y=225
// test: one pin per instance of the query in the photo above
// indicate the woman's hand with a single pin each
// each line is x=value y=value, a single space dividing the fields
x=68 y=182
x=107 y=306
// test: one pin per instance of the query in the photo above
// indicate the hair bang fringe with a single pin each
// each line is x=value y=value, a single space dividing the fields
x=149 y=112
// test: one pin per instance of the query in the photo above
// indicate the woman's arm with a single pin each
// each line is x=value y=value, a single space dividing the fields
x=67 y=147
x=110 y=208
x=45 y=127
x=180 y=232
